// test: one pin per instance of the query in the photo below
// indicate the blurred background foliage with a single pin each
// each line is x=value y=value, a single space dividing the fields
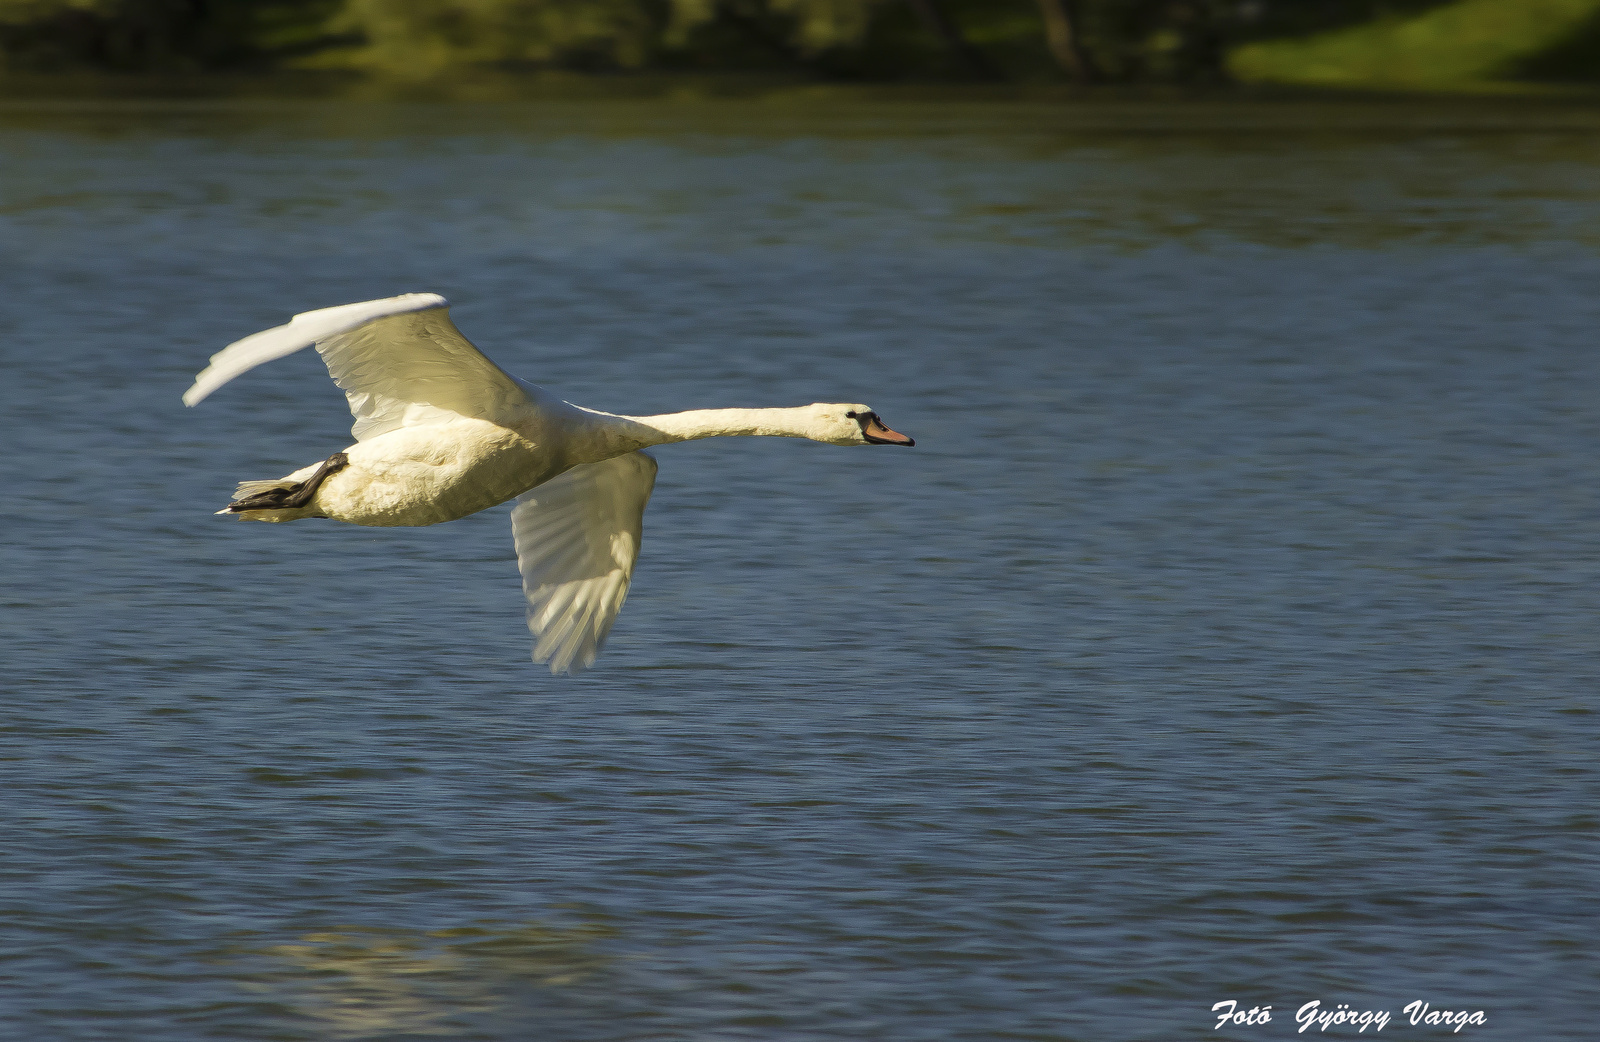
x=1383 y=43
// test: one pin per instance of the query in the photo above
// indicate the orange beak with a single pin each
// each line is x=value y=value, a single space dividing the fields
x=874 y=431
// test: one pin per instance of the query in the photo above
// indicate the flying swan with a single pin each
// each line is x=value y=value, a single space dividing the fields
x=442 y=432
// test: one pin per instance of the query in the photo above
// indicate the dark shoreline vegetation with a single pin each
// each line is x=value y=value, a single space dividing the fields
x=1157 y=108
x=331 y=46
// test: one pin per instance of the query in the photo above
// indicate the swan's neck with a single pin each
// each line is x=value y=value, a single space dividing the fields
x=714 y=423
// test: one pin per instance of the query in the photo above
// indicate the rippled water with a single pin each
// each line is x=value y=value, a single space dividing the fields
x=1230 y=633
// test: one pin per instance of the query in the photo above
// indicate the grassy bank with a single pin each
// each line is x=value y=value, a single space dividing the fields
x=1471 y=44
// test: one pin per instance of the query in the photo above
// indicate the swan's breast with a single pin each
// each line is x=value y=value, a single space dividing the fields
x=426 y=474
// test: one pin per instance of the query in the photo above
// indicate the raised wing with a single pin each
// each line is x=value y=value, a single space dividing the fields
x=577 y=539
x=386 y=355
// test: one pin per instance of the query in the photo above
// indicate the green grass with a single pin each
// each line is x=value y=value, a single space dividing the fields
x=1462 y=45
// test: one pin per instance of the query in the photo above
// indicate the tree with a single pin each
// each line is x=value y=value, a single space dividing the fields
x=1062 y=31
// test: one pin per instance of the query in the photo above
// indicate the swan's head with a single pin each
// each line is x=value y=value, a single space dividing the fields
x=852 y=425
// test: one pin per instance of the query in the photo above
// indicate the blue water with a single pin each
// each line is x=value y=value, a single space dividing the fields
x=1231 y=633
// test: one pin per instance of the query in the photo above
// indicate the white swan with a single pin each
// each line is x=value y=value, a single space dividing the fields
x=442 y=432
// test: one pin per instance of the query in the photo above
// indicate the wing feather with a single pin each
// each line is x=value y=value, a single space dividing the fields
x=388 y=356
x=299 y=332
x=577 y=538
x=416 y=357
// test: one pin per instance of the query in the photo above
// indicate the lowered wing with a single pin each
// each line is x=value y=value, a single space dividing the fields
x=386 y=355
x=577 y=539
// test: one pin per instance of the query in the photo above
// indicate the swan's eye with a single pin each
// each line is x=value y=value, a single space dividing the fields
x=851 y=414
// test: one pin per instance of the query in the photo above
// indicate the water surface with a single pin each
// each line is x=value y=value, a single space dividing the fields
x=1230 y=633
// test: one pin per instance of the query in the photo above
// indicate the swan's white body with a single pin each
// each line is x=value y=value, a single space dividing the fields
x=442 y=432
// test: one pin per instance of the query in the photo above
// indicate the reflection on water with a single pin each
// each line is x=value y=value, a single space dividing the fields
x=843 y=177
x=355 y=981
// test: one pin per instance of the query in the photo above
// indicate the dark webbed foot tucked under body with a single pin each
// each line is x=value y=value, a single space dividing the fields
x=291 y=497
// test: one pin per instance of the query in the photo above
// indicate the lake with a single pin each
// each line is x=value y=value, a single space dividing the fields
x=1230 y=634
